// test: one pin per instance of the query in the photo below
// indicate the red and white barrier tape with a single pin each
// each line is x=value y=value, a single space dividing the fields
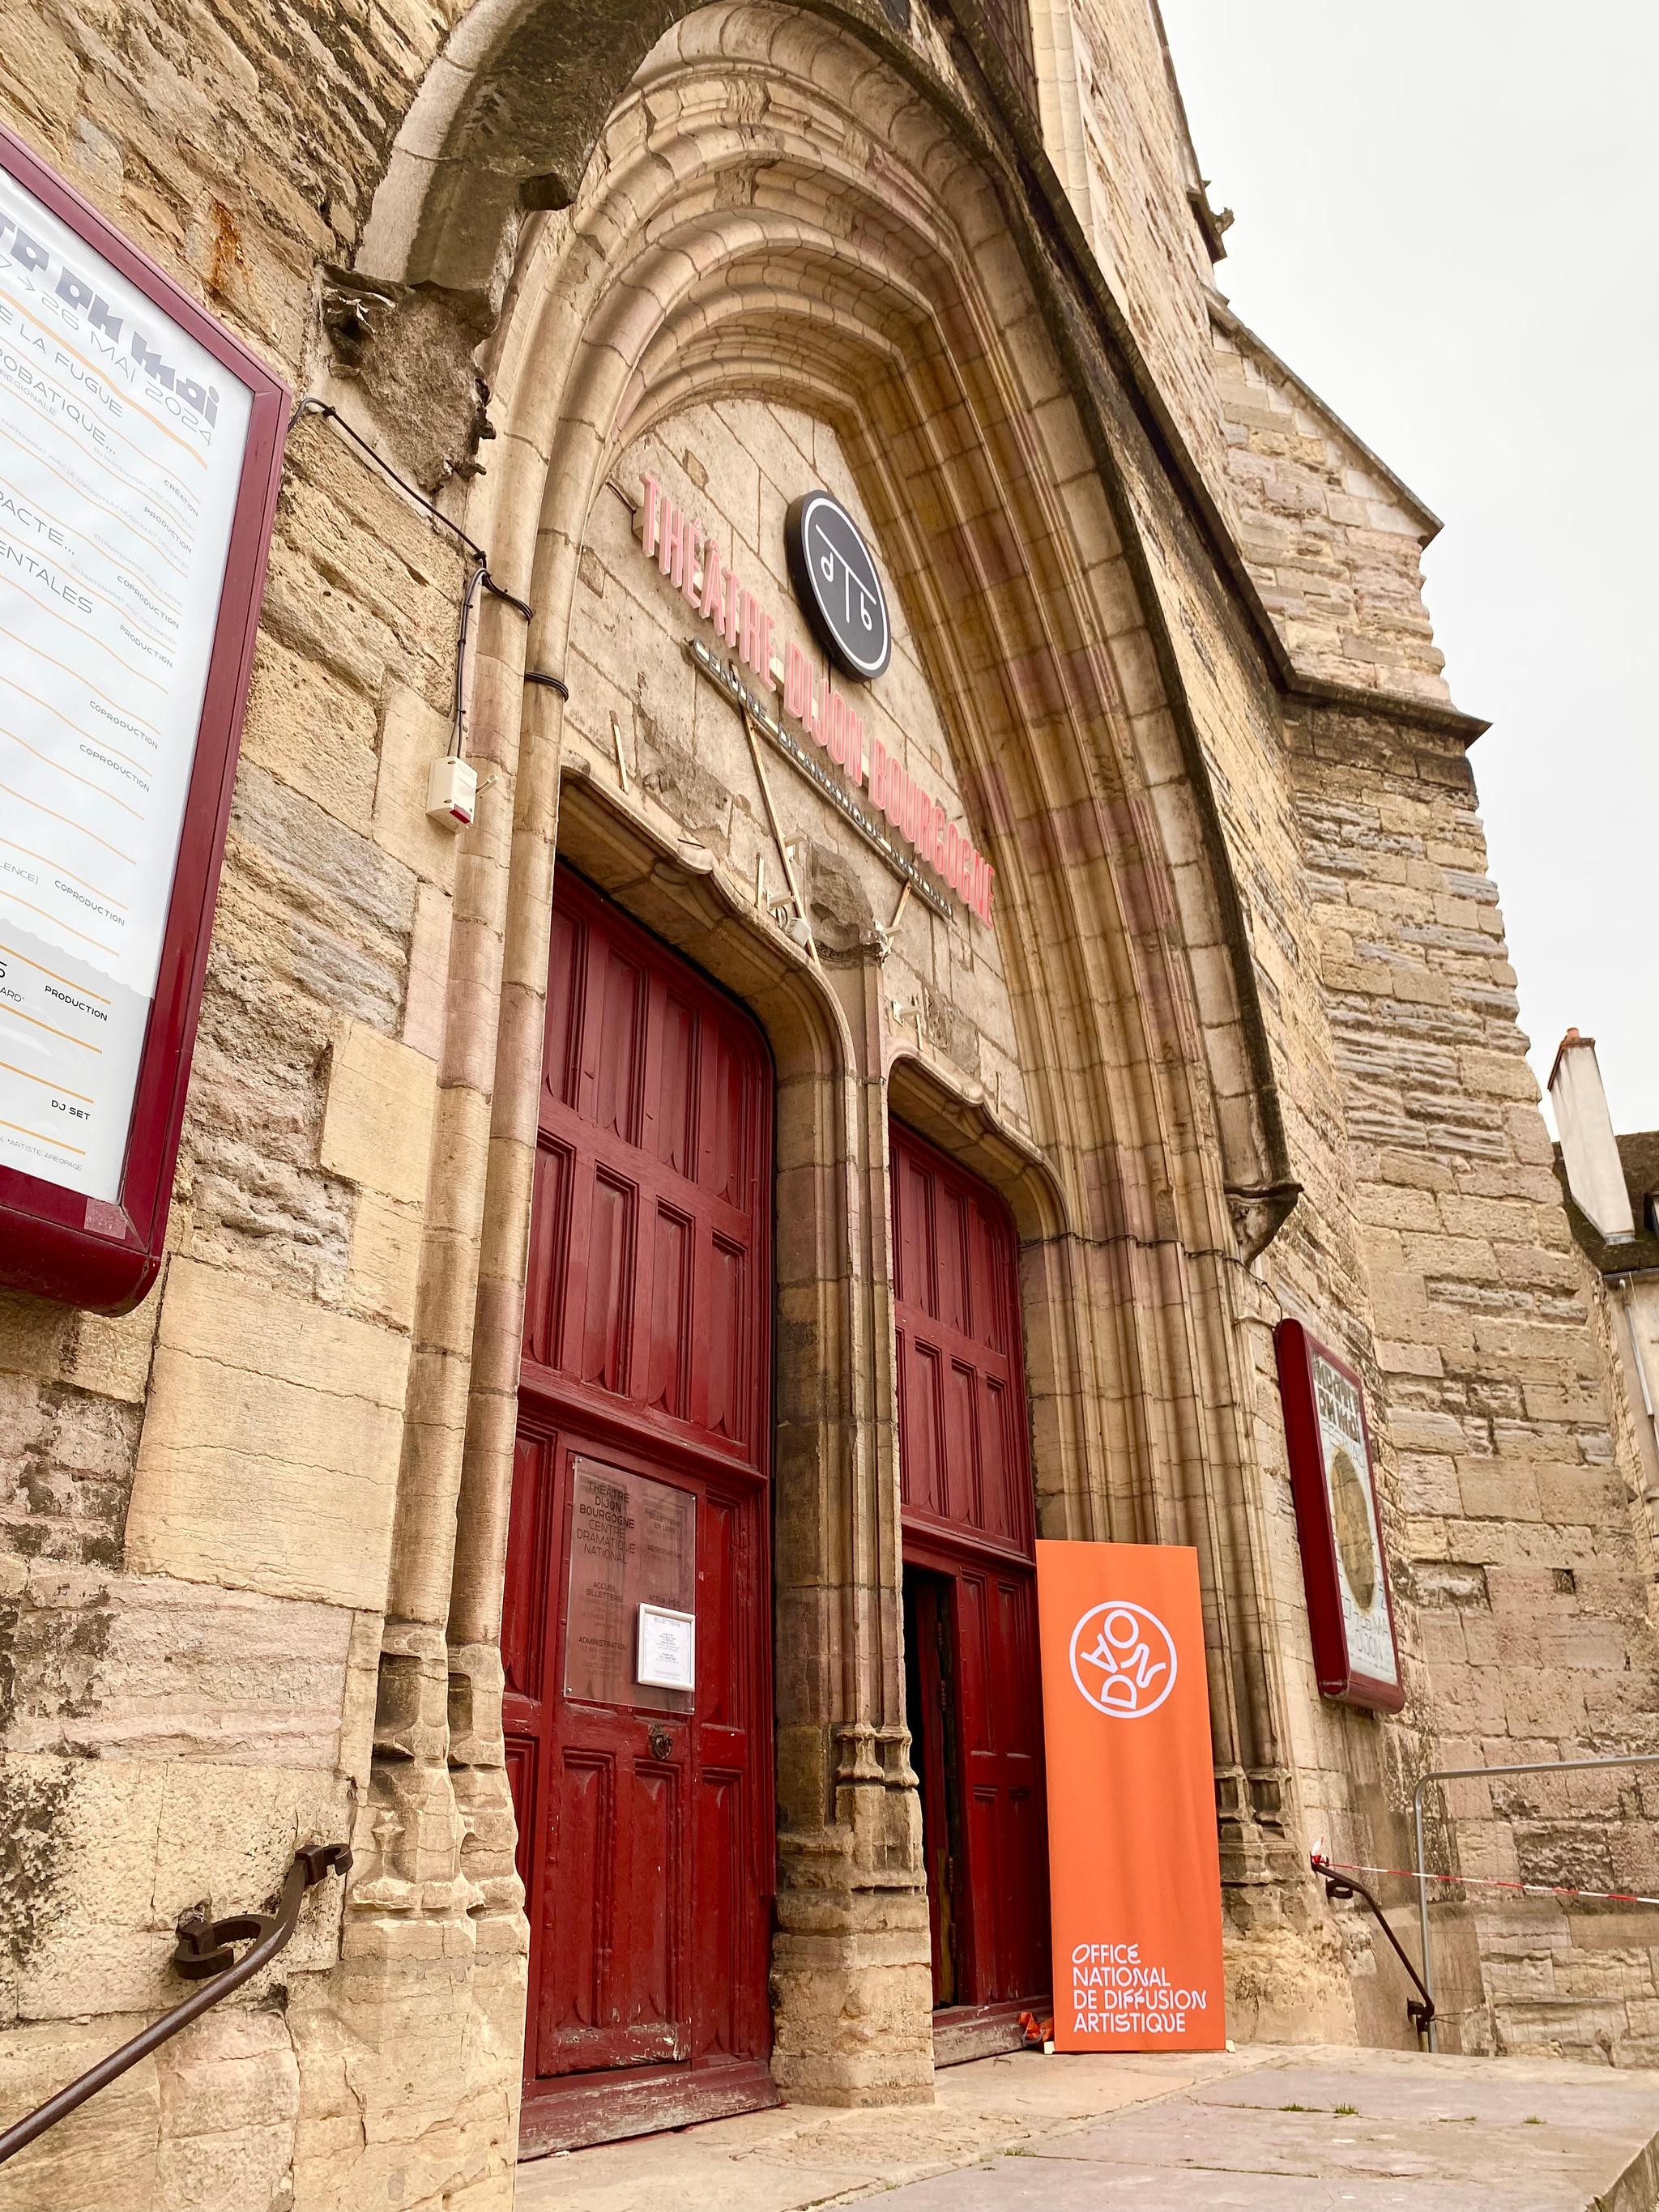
x=1487 y=1881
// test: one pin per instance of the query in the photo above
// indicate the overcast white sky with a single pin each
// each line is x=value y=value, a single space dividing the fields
x=1446 y=226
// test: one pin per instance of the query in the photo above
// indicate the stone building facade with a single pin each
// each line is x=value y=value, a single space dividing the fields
x=1239 y=1043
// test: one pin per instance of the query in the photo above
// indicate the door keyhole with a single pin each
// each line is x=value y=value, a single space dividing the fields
x=660 y=1742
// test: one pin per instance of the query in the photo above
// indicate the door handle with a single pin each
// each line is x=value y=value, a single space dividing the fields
x=659 y=1743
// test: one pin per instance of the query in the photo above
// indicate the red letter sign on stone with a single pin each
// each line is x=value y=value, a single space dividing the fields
x=1134 y=1874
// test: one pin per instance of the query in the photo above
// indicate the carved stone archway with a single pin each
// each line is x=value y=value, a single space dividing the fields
x=771 y=210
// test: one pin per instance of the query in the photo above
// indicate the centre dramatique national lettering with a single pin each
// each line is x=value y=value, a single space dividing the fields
x=691 y=558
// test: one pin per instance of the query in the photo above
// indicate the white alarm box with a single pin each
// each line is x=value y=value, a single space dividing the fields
x=452 y=794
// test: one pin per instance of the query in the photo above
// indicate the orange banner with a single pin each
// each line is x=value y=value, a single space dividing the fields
x=1134 y=1878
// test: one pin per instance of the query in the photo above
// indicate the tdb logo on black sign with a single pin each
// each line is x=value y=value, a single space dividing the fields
x=835 y=578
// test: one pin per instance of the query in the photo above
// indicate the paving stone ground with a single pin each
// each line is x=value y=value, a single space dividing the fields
x=1259 y=2130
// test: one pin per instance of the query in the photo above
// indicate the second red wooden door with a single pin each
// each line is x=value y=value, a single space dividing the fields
x=636 y=1631
x=968 y=1511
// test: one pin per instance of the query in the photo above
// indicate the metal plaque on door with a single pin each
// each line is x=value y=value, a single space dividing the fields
x=633 y=1543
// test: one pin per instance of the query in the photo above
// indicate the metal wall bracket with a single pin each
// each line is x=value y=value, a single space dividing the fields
x=203 y=1953
x=204 y=1947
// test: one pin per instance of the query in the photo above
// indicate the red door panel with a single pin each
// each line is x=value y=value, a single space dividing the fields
x=644 y=1813
x=965 y=1464
x=969 y=1533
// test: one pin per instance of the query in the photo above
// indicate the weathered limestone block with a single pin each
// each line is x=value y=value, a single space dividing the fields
x=257 y=1201
x=103 y=2158
x=270 y=1453
x=106 y=1354
x=230 y=2088
x=1557 y=2030
x=145 y=1667
x=1286 y=1984
x=428 y=970
x=385 y=1258
x=362 y=1680
x=854 y=2006
x=409 y=2069
x=139 y=1842
x=309 y=907
x=412 y=736
x=340 y=596
x=311 y=732
x=377 y=1123
x=852 y=1972
x=65 y=1470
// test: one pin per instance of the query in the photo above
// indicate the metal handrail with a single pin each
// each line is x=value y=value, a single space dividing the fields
x=1420 y=2009
x=203 y=1953
x=1476 y=1774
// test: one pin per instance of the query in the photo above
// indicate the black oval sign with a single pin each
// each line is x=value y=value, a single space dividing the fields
x=833 y=574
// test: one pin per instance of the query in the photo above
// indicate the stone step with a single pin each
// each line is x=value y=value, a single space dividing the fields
x=1264 y=2129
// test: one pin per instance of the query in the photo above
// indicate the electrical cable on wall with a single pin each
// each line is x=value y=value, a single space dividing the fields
x=452 y=785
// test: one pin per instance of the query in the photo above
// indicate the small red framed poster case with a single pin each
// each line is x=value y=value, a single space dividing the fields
x=140 y=449
x=1345 y=1567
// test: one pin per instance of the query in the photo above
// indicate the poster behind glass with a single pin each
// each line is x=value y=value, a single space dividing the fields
x=140 y=448
x=1344 y=1559
x=633 y=1543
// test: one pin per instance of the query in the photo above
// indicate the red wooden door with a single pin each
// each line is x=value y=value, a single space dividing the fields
x=969 y=1539
x=644 y=1808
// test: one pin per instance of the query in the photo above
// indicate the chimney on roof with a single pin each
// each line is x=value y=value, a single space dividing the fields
x=1590 y=1151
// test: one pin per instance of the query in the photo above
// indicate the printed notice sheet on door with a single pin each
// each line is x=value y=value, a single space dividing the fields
x=121 y=450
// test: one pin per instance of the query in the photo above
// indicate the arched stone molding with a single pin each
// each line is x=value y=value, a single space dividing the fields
x=954 y=1114
x=509 y=112
x=1060 y=102
x=770 y=209
x=484 y=144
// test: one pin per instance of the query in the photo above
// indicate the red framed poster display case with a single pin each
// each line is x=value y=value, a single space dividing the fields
x=55 y=1243
x=1342 y=1674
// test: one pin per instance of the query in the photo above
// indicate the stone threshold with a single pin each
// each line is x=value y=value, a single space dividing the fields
x=1262 y=2129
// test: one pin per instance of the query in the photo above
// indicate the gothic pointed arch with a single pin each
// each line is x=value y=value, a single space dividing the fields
x=771 y=210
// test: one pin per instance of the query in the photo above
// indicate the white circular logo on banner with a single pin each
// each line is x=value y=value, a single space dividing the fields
x=1123 y=1660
